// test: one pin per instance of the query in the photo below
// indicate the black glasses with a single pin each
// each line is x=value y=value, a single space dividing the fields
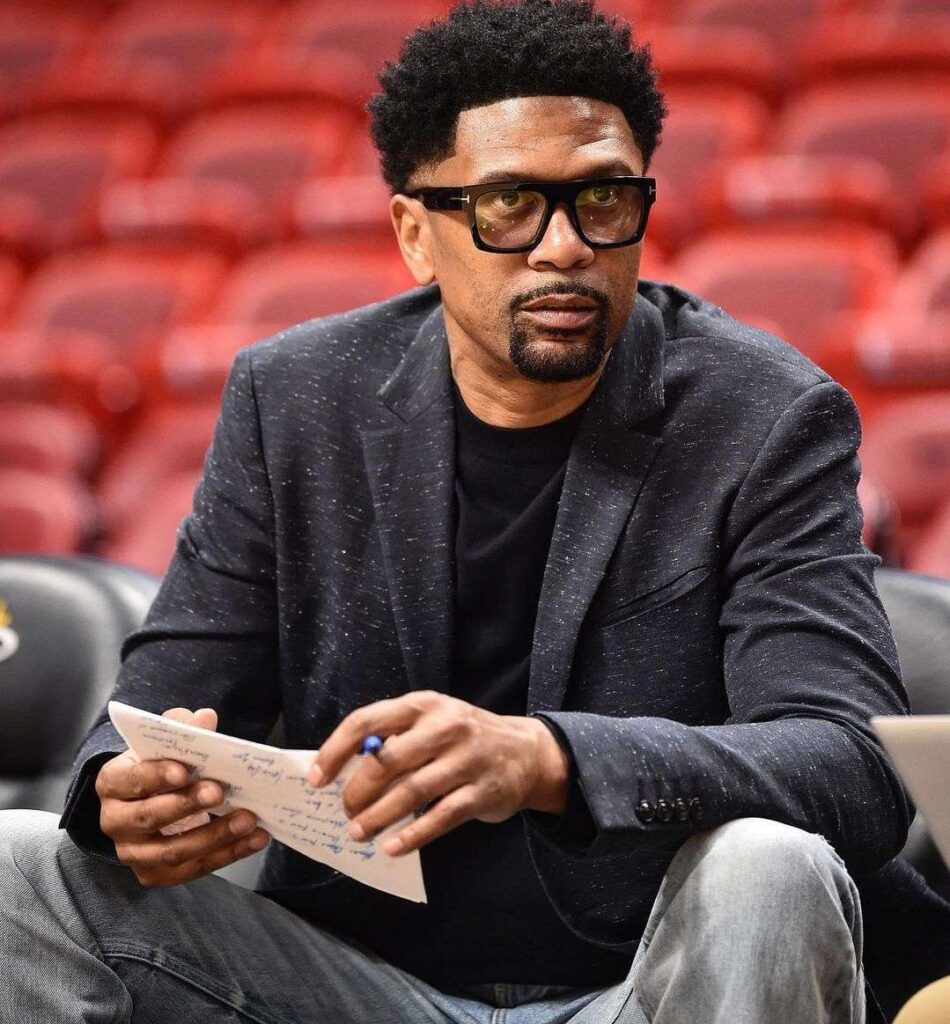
x=513 y=217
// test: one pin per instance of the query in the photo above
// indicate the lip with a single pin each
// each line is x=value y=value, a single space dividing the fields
x=572 y=302
x=563 y=318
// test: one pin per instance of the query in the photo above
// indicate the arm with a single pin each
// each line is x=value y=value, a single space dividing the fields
x=210 y=637
x=808 y=657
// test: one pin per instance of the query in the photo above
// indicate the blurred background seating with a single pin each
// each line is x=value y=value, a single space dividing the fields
x=180 y=179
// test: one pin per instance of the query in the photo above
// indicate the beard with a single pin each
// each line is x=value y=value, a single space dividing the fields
x=535 y=356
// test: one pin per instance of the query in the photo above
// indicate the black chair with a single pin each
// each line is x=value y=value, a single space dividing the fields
x=63 y=622
x=919 y=609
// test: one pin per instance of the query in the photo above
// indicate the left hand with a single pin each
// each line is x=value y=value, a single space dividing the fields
x=474 y=764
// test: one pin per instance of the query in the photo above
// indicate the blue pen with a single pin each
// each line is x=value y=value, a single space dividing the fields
x=372 y=744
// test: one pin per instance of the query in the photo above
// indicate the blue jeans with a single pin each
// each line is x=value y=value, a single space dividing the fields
x=755 y=922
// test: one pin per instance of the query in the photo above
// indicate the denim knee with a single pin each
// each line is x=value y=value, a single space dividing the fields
x=26 y=833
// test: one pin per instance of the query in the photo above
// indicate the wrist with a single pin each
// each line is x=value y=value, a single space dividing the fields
x=549 y=792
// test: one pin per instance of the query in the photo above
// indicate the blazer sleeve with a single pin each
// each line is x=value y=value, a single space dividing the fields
x=808 y=657
x=210 y=638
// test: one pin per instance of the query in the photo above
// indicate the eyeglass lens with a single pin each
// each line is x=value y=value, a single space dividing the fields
x=510 y=219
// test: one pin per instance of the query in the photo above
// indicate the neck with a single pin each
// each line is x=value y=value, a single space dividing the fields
x=506 y=399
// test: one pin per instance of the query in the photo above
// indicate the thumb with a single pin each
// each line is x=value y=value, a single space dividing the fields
x=204 y=718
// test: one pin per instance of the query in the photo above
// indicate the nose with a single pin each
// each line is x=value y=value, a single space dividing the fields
x=560 y=246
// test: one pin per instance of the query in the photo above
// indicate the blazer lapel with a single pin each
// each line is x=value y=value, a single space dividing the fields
x=609 y=461
x=411 y=471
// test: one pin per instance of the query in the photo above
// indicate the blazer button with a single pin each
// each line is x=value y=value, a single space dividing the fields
x=646 y=812
x=696 y=808
x=664 y=810
x=682 y=809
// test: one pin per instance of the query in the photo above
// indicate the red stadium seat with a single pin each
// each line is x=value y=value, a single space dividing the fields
x=285 y=286
x=935 y=186
x=859 y=46
x=220 y=215
x=44 y=513
x=706 y=130
x=906 y=449
x=193 y=362
x=46 y=439
x=801 y=280
x=52 y=168
x=269 y=150
x=166 y=443
x=327 y=209
x=931 y=552
x=157 y=56
x=147 y=541
x=783 y=22
x=696 y=56
x=880 y=520
x=901 y=126
x=925 y=282
x=33 y=43
x=126 y=296
x=11 y=277
x=889 y=353
x=778 y=191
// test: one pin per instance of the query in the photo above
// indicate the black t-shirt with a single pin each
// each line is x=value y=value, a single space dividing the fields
x=487 y=919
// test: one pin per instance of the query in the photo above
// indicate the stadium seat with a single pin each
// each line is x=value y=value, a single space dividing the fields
x=268 y=149
x=46 y=439
x=706 y=129
x=52 y=168
x=935 y=186
x=167 y=442
x=44 y=513
x=11 y=277
x=880 y=520
x=888 y=353
x=859 y=46
x=898 y=124
x=70 y=617
x=193 y=362
x=925 y=282
x=127 y=296
x=779 y=191
x=783 y=22
x=287 y=285
x=931 y=552
x=800 y=280
x=697 y=56
x=224 y=216
x=33 y=43
x=906 y=449
x=350 y=206
x=147 y=540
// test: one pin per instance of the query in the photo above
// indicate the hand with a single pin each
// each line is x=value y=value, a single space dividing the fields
x=141 y=798
x=475 y=764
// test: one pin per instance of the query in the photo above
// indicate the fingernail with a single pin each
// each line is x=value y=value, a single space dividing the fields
x=258 y=841
x=316 y=775
x=393 y=845
x=357 y=831
x=208 y=796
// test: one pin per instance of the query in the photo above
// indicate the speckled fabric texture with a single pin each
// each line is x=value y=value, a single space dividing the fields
x=708 y=630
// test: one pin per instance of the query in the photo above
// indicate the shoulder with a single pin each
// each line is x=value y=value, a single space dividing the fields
x=358 y=348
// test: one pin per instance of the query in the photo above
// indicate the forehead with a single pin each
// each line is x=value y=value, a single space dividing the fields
x=542 y=137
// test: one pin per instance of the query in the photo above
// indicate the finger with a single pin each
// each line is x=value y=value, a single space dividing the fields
x=125 y=778
x=199 y=867
x=383 y=718
x=204 y=718
x=401 y=754
x=154 y=851
x=408 y=794
x=131 y=816
x=448 y=813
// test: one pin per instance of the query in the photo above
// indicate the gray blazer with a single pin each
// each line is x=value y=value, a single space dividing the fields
x=709 y=642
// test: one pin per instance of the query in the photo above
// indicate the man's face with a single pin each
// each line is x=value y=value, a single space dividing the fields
x=546 y=138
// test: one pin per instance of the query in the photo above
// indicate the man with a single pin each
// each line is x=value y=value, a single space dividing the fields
x=587 y=557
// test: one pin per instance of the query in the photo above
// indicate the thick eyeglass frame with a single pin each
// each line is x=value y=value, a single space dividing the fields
x=555 y=193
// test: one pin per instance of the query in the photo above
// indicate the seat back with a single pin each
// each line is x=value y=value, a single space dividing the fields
x=63 y=623
x=918 y=607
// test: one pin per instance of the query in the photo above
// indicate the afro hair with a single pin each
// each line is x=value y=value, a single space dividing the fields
x=485 y=51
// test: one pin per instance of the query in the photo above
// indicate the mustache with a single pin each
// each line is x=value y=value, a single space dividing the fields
x=567 y=288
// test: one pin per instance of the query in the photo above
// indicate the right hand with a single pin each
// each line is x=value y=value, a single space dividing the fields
x=140 y=798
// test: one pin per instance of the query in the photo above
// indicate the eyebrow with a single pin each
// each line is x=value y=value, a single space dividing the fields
x=597 y=171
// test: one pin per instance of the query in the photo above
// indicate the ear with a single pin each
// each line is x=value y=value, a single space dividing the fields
x=411 y=221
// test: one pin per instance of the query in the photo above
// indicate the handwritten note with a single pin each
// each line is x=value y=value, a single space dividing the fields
x=272 y=783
